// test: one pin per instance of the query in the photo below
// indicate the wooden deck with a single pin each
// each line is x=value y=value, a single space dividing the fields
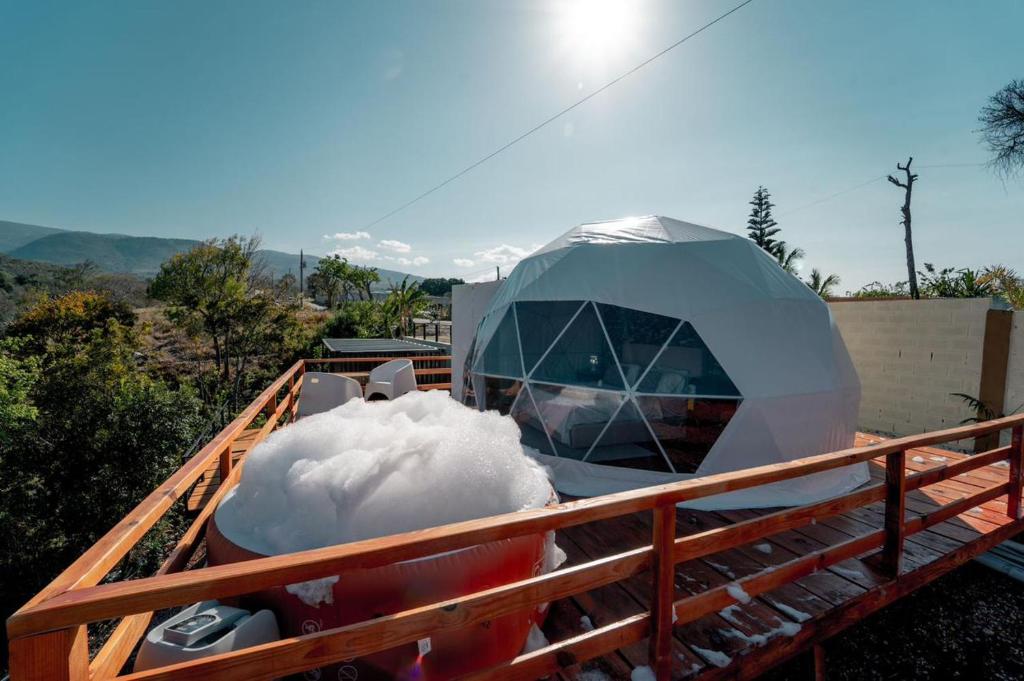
x=646 y=584
x=744 y=640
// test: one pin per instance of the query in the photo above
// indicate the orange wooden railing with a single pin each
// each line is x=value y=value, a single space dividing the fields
x=48 y=635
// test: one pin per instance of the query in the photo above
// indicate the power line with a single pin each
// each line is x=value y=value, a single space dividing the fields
x=872 y=181
x=554 y=117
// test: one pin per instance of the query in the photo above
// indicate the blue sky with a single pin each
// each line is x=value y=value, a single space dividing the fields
x=296 y=120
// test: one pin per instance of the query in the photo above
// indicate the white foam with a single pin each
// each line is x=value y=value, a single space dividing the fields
x=737 y=592
x=593 y=675
x=719 y=659
x=369 y=469
x=940 y=459
x=798 y=615
x=918 y=459
x=315 y=591
x=849 y=573
x=643 y=673
x=535 y=640
x=763 y=548
x=586 y=623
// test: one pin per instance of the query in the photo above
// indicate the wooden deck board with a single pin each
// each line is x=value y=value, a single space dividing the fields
x=821 y=603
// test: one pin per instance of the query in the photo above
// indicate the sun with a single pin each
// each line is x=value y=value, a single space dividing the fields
x=595 y=29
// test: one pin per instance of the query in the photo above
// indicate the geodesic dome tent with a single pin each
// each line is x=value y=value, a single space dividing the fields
x=647 y=350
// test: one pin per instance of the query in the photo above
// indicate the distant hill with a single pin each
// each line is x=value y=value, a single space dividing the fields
x=15 y=234
x=139 y=255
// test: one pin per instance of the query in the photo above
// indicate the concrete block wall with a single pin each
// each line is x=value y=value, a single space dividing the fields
x=1015 y=366
x=911 y=355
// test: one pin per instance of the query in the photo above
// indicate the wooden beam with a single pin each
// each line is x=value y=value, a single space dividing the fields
x=558 y=656
x=663 y=600
x=61 y=655
x=1013 y=500
x=895 y=509
x=818 y=653
x=371 y=360
x=297 y=654
x=727 y=537
x=143 y=595
x=692 y=608
x=995 y=358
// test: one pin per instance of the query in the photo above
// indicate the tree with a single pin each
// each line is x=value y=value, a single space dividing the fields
x=403 y=303
x=761 y=226
x=439 y=286
x=329 y=278
x=361 y=281
x=216 y=292
x=67 y=320
x=1003 y=127
x=1005 y=283
x=789 y=259
x=356 y=319
x=908 y=188
x=822 y=284
x=953 y=283
x=85 y=436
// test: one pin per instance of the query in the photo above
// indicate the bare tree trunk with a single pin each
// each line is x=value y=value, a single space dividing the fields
x=908 y=189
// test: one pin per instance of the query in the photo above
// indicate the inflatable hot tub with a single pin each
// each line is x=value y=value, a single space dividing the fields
x=359 y=595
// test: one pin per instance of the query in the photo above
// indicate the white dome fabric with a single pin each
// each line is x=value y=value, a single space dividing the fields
x=645 y=350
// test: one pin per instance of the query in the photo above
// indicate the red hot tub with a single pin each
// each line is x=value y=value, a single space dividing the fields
x=365 y=594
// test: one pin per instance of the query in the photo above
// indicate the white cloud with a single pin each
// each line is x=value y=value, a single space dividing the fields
x=464 y=262
x=348 y=236
x=417 y=261
x=394 y=245
x=356 y=253
x=504 y=254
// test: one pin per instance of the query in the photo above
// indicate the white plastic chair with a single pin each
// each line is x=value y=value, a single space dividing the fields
x=323 y=392
x=391 y=379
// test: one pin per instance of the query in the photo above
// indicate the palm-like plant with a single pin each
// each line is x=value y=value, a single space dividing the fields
x=403 y=303
x=788 y=258
x=822 y=284
x=1005 y=282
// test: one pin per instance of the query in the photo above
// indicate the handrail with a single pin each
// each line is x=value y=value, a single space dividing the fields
x=118 y=599
x=74 y=598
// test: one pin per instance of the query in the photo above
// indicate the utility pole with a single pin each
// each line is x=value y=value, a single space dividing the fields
x=497 y=269
x=302 y=267
x=908 y=188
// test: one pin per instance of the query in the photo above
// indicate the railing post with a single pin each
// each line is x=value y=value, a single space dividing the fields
x=61 y=655
x=664 y=540
x=1013 y=508
x=225 y=463
x=895 y=512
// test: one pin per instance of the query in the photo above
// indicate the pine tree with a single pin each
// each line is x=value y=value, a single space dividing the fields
x=761 y=226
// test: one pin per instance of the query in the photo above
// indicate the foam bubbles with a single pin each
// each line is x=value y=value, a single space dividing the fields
x=369 y=469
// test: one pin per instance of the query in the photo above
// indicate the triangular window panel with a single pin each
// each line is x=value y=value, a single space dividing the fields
x=530 y=424
x=499 y=394
x=627 y=442
x=687 y=428
x=501 y=356
x=468 y=393
x=687 y=367
x=540 y=322
x=636 y=337
x=574 y=417
x=581 y=356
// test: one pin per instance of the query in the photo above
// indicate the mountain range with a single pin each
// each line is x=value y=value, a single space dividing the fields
x=139 y=255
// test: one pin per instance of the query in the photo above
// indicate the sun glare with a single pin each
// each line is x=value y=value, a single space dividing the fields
x=598 y=28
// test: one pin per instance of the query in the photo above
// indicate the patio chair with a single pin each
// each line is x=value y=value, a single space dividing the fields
x=323 y=392
x=391 y=379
